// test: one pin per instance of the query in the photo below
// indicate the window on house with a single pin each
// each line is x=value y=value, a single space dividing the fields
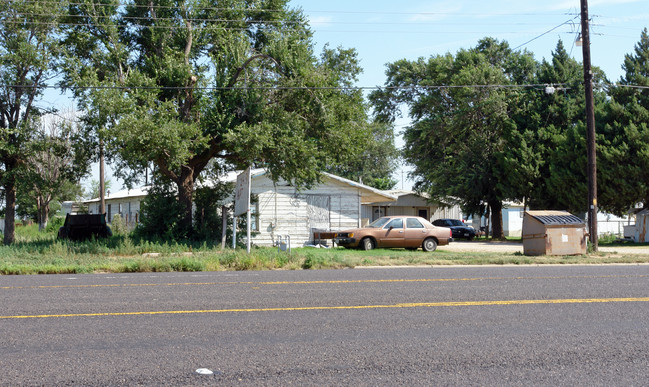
x=254 y=215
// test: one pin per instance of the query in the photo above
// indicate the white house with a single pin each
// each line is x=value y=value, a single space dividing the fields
x=334 y=204
x=409 y=203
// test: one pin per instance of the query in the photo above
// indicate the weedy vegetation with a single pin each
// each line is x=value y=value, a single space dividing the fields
x=42 y=253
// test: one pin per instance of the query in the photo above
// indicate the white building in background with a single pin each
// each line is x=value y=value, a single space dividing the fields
x=126 y=203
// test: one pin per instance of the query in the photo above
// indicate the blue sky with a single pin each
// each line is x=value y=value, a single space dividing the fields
x=383 y=31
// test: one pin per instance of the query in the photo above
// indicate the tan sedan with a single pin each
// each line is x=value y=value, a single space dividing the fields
x=410 y=232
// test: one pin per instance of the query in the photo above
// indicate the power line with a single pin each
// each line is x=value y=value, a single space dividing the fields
x=546 y=32
x=413 y=87
x=287 y=21
x=171 y=7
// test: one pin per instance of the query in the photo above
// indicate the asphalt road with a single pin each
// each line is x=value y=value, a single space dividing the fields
x=549 y=325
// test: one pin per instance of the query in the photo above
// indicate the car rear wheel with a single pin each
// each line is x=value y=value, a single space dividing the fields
x=429 y=244
x=367 y=244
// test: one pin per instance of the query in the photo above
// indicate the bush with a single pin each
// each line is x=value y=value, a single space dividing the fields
x=161 y=214
x=118 y=225
x=55 y=223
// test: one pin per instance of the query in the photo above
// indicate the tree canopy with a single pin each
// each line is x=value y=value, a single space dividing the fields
x=457 y=140
x=491 y=124
x=190 y=85
x=29 y=51
x=623 y=140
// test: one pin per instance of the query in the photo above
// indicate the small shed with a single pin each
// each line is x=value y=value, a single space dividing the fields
x=553 y=233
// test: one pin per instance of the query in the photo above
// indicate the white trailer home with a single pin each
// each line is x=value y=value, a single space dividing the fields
x=279 y=209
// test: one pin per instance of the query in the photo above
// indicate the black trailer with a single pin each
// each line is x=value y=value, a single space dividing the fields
x=84 y=226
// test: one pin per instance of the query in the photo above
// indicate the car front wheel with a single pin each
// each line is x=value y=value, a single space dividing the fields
x=429 y=244
x=367 y=244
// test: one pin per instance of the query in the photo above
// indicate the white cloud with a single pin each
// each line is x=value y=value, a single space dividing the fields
x=320 y=21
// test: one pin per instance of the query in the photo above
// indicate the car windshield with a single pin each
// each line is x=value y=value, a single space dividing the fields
x=380 y=222
x=455 y=222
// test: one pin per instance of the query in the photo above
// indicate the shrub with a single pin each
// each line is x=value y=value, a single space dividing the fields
x=55 y=223
x=118 y=225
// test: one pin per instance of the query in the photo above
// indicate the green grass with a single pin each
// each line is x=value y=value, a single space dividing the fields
x=42 y=253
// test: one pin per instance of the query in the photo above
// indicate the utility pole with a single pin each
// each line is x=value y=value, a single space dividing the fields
x=102 y=183
x=590 y=124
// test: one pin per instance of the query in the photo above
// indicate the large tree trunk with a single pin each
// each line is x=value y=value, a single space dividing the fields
x=497 y=219
x=185 y=196
x=10 y=209
x=43 y=214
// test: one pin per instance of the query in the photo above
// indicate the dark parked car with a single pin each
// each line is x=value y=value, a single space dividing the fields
x=460 y=230
x=410 y=232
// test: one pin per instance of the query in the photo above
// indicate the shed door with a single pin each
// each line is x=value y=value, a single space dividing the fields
x=318 y=209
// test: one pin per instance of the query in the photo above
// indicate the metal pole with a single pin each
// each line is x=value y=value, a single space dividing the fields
x=102 y=183
x=234 y=232
x=224 y=225
x=590 y=125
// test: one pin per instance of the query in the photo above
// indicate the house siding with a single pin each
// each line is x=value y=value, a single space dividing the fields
x=409 y=203
x=127 y=208
x=284 y=211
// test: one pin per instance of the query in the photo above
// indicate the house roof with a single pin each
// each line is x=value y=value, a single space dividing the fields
x=405 y=198
x=123 y=194
x=368 y=194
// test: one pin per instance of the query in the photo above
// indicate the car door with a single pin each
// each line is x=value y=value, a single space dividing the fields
x=415 y=233
x=393 y=234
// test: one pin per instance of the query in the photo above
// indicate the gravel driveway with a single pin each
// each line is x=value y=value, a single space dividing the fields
x=513 y=247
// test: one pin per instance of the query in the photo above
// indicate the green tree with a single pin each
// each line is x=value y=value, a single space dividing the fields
x=184 y=83
x=546 y=155
x=51 y=162
x=623 y=141
x=93 y=190
x=29 y=48
x=377 y=162
x=456 y=142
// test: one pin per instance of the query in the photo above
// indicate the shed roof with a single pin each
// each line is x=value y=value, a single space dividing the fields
x=556 y=218
x=123 y=194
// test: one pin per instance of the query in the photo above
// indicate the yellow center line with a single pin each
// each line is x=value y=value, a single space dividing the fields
x=243 y=283
x=307 y=308
x=308 y=282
